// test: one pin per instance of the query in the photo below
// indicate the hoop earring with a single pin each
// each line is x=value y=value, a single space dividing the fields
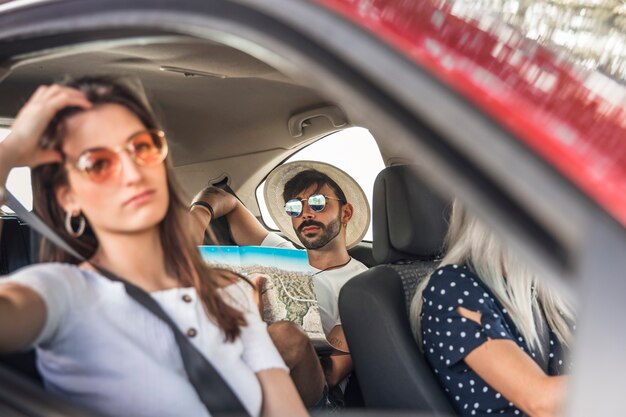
x=70 y=229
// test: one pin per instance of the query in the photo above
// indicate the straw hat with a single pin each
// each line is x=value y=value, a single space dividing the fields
x=275 y=184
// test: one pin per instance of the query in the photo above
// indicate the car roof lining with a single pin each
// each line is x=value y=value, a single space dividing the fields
x=244 y=109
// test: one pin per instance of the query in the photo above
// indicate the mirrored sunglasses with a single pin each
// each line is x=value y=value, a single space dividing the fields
x=146 y=148
x=316 y=202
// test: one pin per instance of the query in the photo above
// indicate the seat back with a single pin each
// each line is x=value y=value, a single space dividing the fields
x=410 y=222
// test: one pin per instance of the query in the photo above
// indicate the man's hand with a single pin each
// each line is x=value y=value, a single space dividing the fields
x=221 y=201
x=245 y=229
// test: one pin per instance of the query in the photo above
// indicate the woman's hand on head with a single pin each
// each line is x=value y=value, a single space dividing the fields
x=22 y=145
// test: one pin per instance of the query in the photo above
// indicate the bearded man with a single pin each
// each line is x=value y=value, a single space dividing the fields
x=323 y=209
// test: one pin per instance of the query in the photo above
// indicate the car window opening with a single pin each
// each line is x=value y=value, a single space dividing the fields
x=18 y=182
x=353 y=150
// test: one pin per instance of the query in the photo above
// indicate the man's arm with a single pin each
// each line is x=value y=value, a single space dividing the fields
x=337 y=367
x=245 y=229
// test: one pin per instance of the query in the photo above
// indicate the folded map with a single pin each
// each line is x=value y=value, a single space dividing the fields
x=284 y=281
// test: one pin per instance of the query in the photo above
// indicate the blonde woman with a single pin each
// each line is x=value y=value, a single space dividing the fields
x=494 y=334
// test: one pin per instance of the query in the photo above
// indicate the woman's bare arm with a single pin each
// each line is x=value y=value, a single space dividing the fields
x=22 y=316
x=280 y=397
x=511 y=372
x=22 y=310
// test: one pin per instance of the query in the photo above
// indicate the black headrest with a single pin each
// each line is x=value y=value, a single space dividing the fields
x=410 y=220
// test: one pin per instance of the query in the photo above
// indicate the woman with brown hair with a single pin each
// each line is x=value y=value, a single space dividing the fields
x=102 y=181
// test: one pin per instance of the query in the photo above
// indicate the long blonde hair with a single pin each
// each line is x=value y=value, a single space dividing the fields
x=515 y=285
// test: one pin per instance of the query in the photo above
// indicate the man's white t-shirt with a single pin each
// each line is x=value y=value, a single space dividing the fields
x=101 y=349
x=327 y=283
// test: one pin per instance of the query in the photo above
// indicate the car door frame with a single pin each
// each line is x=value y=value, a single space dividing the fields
x=562 y=232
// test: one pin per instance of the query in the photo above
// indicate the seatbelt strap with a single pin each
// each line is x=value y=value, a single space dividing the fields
x=213 y=391
x=37 y=224
x=218 y=398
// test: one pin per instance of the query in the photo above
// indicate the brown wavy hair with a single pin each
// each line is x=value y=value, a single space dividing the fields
x=182 y=258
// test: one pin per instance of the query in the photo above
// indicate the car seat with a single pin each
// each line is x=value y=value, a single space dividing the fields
x=409 y=225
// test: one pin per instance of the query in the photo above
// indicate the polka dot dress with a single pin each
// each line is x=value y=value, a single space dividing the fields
x=448 y=338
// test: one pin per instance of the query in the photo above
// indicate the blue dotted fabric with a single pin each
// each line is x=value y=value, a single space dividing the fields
x=448 y=338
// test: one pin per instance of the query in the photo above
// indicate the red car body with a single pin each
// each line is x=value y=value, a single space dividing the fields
x=574 y=118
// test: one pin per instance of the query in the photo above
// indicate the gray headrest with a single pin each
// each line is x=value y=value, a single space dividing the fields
x=409 y=219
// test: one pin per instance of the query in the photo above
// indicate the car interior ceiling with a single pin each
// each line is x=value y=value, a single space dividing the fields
x=221 y=107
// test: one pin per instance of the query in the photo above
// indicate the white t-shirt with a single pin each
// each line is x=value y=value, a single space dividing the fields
x=101 y=349
x=327 y=283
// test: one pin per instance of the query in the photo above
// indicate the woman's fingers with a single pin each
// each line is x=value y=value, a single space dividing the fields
x=56 y=97
x=62 y=100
